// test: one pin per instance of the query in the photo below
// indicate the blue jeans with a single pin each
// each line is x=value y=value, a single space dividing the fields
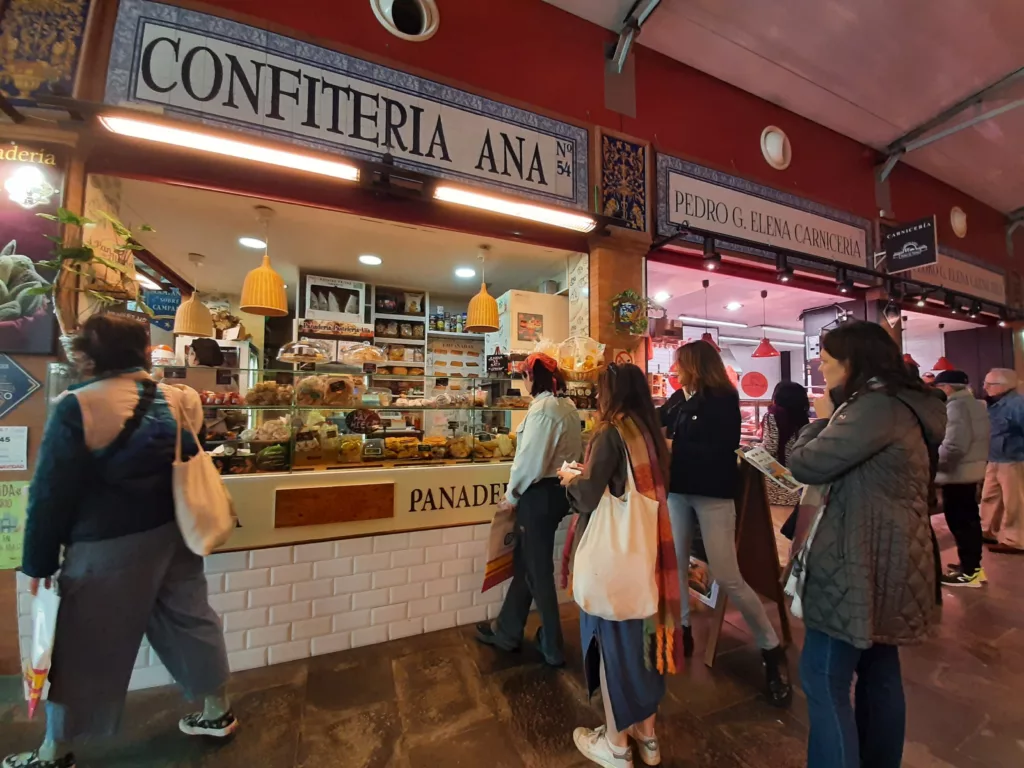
x=868 y=732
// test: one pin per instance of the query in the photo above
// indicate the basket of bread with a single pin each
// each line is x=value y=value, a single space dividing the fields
x=580 y=358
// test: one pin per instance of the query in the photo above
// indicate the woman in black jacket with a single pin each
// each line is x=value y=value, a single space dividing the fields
x=703 y=421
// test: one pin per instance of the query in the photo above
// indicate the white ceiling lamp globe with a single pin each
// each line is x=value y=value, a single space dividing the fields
x=776 y=148
x=958 y=220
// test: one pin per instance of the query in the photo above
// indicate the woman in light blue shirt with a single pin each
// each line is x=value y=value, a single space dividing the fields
x=549 y=435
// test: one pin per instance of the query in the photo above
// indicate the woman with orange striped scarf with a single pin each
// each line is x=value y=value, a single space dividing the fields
x=628 y=659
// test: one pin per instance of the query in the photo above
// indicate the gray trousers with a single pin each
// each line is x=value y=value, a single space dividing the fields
x=113 y=592
x=717 y=520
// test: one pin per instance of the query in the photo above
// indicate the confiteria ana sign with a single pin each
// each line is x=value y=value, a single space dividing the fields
x=216 y=70
x=716 y=206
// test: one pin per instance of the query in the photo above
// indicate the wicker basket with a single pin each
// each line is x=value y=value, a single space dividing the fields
x=591 y=375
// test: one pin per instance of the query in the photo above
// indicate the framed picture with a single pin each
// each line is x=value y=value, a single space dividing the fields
x=530 y=326
x=331 y=298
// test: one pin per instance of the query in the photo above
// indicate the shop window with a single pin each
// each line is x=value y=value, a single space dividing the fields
x=413 y=20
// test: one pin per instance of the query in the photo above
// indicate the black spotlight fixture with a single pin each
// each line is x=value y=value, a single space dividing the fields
x=975 y=310
x=712 y=258
x=895 y=290
x=951 y=301
x=1003 y=319
x=782 y=271
x=843 y=283
x=921 y=301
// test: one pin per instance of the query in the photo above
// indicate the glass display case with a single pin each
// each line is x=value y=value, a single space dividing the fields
x=752 y=412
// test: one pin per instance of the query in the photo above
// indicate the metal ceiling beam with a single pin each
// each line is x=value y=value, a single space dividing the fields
x=919 y=136
x=638 y=13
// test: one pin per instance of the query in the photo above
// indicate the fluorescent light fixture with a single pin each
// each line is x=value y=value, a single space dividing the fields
x=662 y=296
x=702 y=321
x=217 y=145
x=370 y=260
x=776 y=329
x=538 y=213
x=147 y=283
x=733 y=306
x=753 y=342
x=252 y=242
x=465 y=272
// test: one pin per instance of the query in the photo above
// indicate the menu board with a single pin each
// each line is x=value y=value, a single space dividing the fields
x=456 y=358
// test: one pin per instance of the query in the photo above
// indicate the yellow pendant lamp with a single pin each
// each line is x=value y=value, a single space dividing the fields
x=482 y=316
x=263 y=292
x=193 y=318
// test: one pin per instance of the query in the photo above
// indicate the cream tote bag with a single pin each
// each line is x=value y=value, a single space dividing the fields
x=614 y=573
x=202 y=505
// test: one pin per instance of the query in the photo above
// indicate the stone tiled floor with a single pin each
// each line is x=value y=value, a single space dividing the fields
x=440 y=701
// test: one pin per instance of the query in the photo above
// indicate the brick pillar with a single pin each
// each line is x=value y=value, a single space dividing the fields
x=616 y=265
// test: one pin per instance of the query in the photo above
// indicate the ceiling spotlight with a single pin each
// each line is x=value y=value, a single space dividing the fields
x=465 y=273
x=370 y=260
x=662 y=296
x=782 y=271
x=921 y=301
x=1003 y=319
x=843 y=283
x=252 y=242
x=712 y=258
x=734 y=306
x=950 y=300
x=974 y=310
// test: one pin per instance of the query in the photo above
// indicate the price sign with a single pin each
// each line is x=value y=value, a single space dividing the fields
x=13 y=502
x=13 y=449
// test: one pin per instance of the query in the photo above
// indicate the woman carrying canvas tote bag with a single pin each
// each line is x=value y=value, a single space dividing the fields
x=629 y=644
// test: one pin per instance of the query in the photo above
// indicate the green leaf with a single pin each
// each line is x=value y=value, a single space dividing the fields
x=39 y=290
x=130 y=246
x=55 y=239
x=64 y=216
x=112 y=265
x=76 y=253
x=120 y=228
x=146 y=228
x=145 y=308
x=103 y=298
x=47 y=216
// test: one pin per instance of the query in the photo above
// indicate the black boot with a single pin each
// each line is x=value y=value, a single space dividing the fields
x=687 y=642
x=776 y=672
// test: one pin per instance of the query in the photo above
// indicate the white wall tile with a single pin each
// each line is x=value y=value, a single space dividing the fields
x=426 y=538
x=493 y=609
x=484 y=598
x=255 y=617
x=389 y=613
x=406 y=628
x=439 y=621
x=289 y=574
x=251 y=579
x=228 y=601
x=340 y=641
x=235 y=641
x=455 y=535
x=283 y=614
x=214 y=584
x=369 y=636
x=264 y=636
x=154 y=657
x=267 y=558
x=270 y=596
x=353 y=547
x=471 y=582
x=403 y=558
x=318 y=627
x=480 y=564
x=442 y=553
x=226 y=561
x=424 y=607
x=390 y=578
x=142 y=658
x=149 y=677
x=298 y=649
x=482 y=532
x=308 y=553
x=360 y=582
x=456 y=601
x=391 y=542
x=472 y=615
x=440 y=587
x=405 y=593
x=374 y=599
x=473 y=549
x=372 y=563
x=425 y=572
x=311 y=590
x=255 y=657
x=457 y=567
x=339 y=566
x=343 y=622
x=328 y=606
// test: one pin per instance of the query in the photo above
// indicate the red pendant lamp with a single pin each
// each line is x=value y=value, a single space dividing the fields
x=942 y=364
x=765 y=348
x=706 y=336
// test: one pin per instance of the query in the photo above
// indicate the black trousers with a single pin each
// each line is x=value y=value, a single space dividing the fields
x=960 y=504
x=540 y=511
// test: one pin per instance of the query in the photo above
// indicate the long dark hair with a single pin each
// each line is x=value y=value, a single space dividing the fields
x=623 y=392
x=113 y=344
x=702 y=366
x=869 y=353
x=790 y=406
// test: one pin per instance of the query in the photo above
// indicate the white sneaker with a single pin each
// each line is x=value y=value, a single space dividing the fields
x=593 y=744
x=648 y=749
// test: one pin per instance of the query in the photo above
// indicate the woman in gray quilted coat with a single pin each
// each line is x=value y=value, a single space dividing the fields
x=871 y=568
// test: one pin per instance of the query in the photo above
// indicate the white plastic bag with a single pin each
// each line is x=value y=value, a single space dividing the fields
x=44 y=627
x=202 y=505
x=614 y=574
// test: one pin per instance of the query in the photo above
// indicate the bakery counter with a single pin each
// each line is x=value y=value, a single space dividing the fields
x=282 y=508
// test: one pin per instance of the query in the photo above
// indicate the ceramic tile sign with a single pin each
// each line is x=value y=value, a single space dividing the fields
x=13 y=503
x=16 y=384
x=164 y=305
x=13 y=449
x=217 y=71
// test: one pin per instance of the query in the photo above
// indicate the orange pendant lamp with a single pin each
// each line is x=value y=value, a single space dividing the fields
x=263 y=292
x=482 y=315
x=765 y=348
x=942 y=364
x=192 y=317
x=706 y=336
